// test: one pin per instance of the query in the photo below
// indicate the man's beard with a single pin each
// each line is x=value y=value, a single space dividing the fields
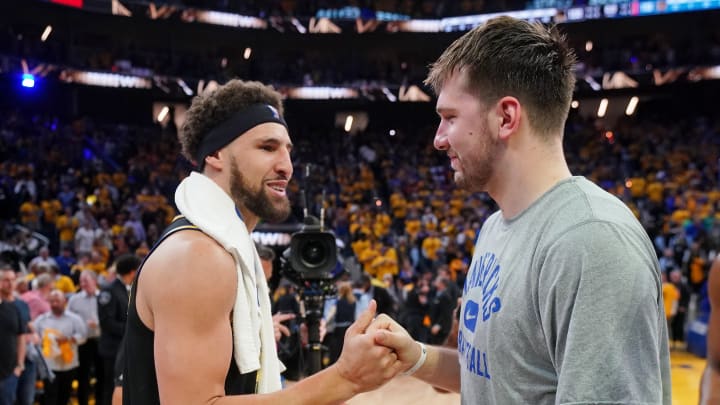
x=258 y=201
x=478 y=172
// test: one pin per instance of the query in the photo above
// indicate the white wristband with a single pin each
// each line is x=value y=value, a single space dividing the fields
x=420 y=362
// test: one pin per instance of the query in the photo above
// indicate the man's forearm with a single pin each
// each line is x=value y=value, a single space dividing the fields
x=441 y=368
x=21 y=351
x=327 y=387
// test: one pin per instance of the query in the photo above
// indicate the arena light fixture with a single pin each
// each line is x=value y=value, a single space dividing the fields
x=392 y=132
x=163 y=114
x=348 y=123
x=575 y=104
x=46 y=33
x=321 y=93
x=28 y=80
x=588 y=46
x=185 y=88
x=632 y=105
x=390 y=96
x=229 y=19
x=602 y=109
x=298 y=26
x=247 y=53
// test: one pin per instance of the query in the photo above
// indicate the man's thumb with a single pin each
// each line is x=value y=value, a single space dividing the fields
x=386 y=338
x=364 y=320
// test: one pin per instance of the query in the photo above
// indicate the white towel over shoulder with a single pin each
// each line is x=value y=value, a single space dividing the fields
x=209 y=208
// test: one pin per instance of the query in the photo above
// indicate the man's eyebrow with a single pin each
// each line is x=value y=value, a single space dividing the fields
x=445 y=110
x=274 y=141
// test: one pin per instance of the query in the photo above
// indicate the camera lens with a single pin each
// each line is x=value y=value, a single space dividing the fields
x=313 y=254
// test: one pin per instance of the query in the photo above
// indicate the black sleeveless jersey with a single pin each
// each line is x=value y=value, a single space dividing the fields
x=139 y=380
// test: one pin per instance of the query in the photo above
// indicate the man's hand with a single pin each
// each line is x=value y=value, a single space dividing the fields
x=281 y=329
x=390 y=334
x=59 y=338
x=18 y=370
x=362 y=362
x=305 y=338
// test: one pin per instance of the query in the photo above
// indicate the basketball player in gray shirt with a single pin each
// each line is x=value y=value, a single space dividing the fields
x=562 y=302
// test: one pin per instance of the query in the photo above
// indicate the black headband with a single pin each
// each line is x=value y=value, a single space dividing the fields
x=241 y=122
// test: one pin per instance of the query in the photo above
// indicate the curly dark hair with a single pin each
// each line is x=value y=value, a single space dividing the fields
x=510 y=57
x=215 y=107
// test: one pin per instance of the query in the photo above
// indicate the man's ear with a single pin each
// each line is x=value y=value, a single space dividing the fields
x=508 y=112
x=213 y=160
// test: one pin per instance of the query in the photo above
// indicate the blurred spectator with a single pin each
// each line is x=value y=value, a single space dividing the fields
x=342 y=318
x=61 y=332
x=366 y=291
x=38 y=298
x=65 y=261
x=85 y=237
x=43 y=259
x=441 y=311
x=112 y=314
x=677 y=325
x=85 y=305
x=12 y=340
x=415 y=311
x=671 y=296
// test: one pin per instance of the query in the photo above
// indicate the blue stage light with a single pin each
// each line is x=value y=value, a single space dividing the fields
x=28 y=80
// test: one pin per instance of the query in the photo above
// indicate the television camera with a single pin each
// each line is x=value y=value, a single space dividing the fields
x=312 y=263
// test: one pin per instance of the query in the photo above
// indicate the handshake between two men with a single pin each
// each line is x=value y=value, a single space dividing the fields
x=376 y=349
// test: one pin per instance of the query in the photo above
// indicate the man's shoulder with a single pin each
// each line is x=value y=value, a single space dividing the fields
x=117 y=284
x=20 y=304
x=6 y=306
x=188 y=275
x=380 y=292
x=108 y=293
x=110 y=288
x=580 y=198
x=73 y=316
x=42 y=317
x=28 y=296
x=73 y=299
x=185 y=251
x=188 y=259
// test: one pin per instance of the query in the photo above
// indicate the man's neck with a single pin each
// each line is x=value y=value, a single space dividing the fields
x=532 y=170
x=249 y=219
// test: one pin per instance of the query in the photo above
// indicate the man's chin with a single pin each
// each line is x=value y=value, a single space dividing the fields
x=279 y=213
x=463 y=183
x=460 y=180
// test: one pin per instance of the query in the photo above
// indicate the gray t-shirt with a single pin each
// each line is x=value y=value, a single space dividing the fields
x=563 y=305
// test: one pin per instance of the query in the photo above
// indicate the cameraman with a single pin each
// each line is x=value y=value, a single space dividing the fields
x=199 y=325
